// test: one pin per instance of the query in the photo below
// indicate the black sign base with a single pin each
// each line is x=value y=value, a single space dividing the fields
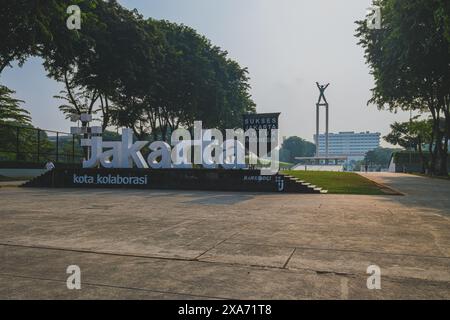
x=182 y=179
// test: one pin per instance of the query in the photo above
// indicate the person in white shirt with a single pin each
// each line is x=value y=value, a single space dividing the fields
x=49 y=166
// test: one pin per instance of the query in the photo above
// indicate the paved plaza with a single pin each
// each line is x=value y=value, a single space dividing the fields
x=132 y=244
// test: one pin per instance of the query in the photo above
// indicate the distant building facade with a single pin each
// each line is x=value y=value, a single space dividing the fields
x=350 y=144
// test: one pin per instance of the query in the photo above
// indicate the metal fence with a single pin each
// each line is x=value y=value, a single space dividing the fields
x=21 y=144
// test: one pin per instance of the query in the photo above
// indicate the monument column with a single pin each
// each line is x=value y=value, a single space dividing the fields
x=317 y=129
x=326 y=134
x=322 y=89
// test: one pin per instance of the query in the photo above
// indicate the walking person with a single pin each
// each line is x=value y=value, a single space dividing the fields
x=49 y=166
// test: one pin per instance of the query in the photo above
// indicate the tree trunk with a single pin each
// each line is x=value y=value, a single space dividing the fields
x=434 y=147
x=444 y=158
x=422 y=157
x=105 y=112
x=444 y=166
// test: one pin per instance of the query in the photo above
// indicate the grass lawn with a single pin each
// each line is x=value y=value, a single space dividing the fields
x=339 y=182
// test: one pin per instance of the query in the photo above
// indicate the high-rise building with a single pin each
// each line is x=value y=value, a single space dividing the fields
x=350 y=144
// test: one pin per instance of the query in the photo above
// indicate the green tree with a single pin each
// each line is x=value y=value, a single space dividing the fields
x=410 y=61
x=10 y=108
x=443 y=15
x=294 y=147
x=402 y=136
x=415 y=135
x=152 y=76
x=197 y=81
x=111 y=47
x=193 y=80
x=379 y=157
x=36 y=27
x=20 y=28
x=14 y=121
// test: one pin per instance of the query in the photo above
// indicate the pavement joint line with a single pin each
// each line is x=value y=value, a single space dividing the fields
x=216 y=245
x=94 y=252
x=289 y=259
x=344 y=250
x=261 y=267
x=337 y=273
x=114 y=287
x=363 y=275
x=230 y=242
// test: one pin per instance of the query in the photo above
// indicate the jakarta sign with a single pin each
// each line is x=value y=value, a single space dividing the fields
x=207 y=148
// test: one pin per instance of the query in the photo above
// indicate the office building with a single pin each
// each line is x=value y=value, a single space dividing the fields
x=350 y=144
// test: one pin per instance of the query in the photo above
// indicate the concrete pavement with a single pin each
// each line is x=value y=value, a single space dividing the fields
x=421 y=191
x=195 y=245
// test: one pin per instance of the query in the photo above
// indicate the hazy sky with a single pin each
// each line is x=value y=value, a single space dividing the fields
x=287 y=46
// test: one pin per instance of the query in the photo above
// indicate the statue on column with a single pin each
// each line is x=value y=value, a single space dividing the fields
x=322 y=89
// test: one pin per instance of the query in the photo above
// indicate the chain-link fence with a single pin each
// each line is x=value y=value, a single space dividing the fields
x=31 y=145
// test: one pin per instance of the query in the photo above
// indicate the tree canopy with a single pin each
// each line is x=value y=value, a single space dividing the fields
x=192 y=80
x=379 y=157
x=410 y=61
x=152 y=76
x=413 y=135
x=296 y=147
x=10 y=108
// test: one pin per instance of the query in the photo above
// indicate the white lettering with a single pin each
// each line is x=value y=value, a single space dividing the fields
x=74 y=280
x=208 y=147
